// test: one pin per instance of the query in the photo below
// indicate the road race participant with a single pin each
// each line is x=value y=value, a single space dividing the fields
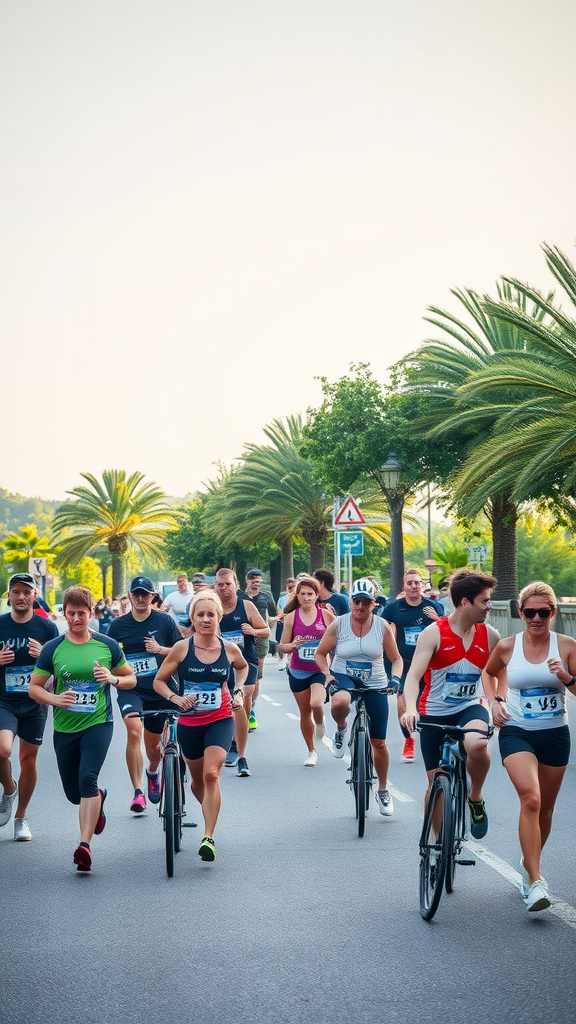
x=241 y=623
x=281 y=604
x=408 y=616
x=176 y=603
x=146 y=637
x=360 y=640
x=203 y=664
x=267 y=607
x=327 y=594
x=304 y=626
x=533 y=670
x=451 y=655
x=22 y=634
x=84 y=665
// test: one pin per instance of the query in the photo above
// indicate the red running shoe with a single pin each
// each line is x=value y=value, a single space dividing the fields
x=101 y=817
x=408 y=752
x=83 y=858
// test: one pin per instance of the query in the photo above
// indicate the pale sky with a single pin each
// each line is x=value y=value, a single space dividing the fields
x=206 y=205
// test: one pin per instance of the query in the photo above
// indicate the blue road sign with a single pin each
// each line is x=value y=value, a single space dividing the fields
x=351 y=542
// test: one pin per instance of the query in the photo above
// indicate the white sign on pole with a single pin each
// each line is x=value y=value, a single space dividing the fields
x=37 y=566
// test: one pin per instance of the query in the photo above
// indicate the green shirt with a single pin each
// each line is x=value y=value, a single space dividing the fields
x=72 y=666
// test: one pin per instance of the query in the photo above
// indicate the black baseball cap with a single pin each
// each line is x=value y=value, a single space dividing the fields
x=142 y=583
x=22 y=577
x=254 y=572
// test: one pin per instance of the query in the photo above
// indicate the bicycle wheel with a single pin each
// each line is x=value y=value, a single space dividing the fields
x=169 y=772
x=434 y=846
x=359 y=779
x=369 y=771
x=454 y=838
x=178 y=810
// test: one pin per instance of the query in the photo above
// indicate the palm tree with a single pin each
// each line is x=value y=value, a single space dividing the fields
x=20 y=547
x=119 y=512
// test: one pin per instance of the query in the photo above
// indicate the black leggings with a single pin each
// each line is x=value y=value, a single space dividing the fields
x=80 y=756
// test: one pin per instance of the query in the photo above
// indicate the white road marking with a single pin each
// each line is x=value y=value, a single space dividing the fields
x=290 y=715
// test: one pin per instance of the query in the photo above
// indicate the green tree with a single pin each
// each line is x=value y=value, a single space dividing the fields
x=26 y=544
x=120 y=512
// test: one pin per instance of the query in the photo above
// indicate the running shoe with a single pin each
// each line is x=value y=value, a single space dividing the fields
x=538 y=897
x=312 y=759
x=139 y=802
x=252 y=721
x=232 y=755
x=243 y=771
x=478 y=819
x=83 y=858
x=282 y=666
x=6 y=805
x=100 y=824
x=385 y=802
x=22 y=833
x=320 y=729
x=207 y=849
x=408 y=752
x=153 y=786
x=338 y=742
x=525 y=880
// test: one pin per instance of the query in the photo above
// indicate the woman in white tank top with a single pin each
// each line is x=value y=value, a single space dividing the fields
x=532 y=672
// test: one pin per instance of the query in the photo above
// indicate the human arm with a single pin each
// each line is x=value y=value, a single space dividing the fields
x=168 y=668
x=567 y=651
x=121 y=677
x=256 y=625
x=240 y=666
x=287 y=644
x=326 y=645
x=426 y=646
x=495 y=681
x=391 y=651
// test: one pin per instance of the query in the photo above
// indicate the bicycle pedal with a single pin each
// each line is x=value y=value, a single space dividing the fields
x=466 y=863
x=189 y=824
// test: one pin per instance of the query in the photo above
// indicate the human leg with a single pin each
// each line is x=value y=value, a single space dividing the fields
x=302 y=698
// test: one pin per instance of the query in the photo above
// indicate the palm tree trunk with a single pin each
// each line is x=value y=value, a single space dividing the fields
x=317 y=555
x=287 y=561
x=504 y=517
x=117 y=574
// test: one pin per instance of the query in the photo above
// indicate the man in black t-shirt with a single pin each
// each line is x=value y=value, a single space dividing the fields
x=146 y=637
x=22 y=636
x=266 y=605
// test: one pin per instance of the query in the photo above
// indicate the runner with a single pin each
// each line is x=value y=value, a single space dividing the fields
x=22 y=634
x=146 y=637
x=267 y=607
x=451 y=655
x=81 y=663
x=304 y=626
x=360 y=640
x=532 y=670
x=408 y=616
x=203 y=663
x=327 y=594
x=177 y=601
x=241 y=623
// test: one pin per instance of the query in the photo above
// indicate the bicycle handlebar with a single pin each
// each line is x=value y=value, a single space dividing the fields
x=354 y=693
x=161 y=711
x=456 y=730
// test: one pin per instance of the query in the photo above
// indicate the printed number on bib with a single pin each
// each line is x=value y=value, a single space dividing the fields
x=544 y=702
x=234 y=638
x=460 y=686
x=411 y=634
x=18 y=678
x=142 y=664
x=208 y=696
x=307 y=650
x=86 y=696
x=360 y=670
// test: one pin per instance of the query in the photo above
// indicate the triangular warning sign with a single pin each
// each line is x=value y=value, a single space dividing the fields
x=349 y=514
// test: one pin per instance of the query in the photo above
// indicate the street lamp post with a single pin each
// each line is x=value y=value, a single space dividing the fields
x=391 y=471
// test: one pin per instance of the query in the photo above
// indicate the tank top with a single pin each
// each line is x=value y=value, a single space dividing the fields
x=360 y=657
x=453 y=679
x=209 y=684
x=536 y=699
x=231 y=629
x=302 y=660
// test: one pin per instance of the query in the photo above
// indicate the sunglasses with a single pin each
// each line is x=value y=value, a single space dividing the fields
x=543 y=613
x=361 y=600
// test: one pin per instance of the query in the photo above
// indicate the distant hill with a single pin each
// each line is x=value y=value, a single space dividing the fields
x=17 y=511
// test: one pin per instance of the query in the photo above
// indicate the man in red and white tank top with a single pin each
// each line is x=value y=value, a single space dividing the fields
x=451 y=655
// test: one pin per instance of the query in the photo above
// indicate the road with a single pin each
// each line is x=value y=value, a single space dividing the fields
x=297 y=922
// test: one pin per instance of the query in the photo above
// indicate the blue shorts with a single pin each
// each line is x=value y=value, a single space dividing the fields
x=300 y=685
x=376 y=704
x=549 y=746
x=24 y=719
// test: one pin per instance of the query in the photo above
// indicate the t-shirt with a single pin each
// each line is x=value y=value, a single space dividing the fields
x=72 y=666
x=15 y=677
x=409 y=620
x=177 y=605
x=130 y=634
x=264 y=602
x=339 y=602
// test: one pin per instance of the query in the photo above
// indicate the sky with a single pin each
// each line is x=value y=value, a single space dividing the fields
x=205 y=206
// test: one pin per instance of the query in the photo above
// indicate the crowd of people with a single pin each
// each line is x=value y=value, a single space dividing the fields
x=203 y=649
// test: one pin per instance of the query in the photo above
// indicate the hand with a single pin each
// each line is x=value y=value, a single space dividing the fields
x=248 y=630
x=102 y=675
x=237 y=701
x=297 y=641
x=409 y=720
x=184 y=703
x=431 y=613
x=500 y=714
x=6 y=656
x=152 y=645
x=557 y=669
x=66 y=699
x=34 y=648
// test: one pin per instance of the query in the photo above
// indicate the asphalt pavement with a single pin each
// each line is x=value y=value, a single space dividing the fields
x=298 y=921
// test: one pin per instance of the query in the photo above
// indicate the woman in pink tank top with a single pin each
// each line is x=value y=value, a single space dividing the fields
x=304 y=626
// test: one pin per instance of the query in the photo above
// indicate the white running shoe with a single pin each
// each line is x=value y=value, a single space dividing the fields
x=538 y=897
x=384 y=801
x=22 y=833
x=338 y=744
x=282 y=666
x=312 y=759
x=525 y=880
x=320 y=729
x=6 y=805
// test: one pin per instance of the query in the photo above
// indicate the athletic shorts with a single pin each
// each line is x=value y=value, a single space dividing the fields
x=24 y=721
x=300 y=685
x=376 y=704
x=250 y=679
x=431 y=740
x=262 y=645
x=129 y=701
x=549 y=746
x=195 y=739
x=80 y=756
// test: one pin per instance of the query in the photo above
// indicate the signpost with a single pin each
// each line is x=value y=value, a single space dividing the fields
x=347 y=543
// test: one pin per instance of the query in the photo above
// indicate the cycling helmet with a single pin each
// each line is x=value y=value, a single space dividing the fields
x=363 y=588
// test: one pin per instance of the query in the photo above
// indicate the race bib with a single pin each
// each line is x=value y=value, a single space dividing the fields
x=142 y=664
x=183 y=620
x=86 y=696
x=235 y=638
x=307 y=650
x=18 y=678
x=360 y=670
x=460 y=686
x=411 y=634
x=541 y=702
x=208 y=696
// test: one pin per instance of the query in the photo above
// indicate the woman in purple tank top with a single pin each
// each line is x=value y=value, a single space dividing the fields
x=304 y=626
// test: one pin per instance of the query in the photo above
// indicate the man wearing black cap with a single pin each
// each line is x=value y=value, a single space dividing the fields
x=22 y=636
x=146 y=636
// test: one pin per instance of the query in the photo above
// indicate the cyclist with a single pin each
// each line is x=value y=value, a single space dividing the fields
x=84 y=665
x=203 y=664
x=451 y=655
x=533 y=670
x=360 y=640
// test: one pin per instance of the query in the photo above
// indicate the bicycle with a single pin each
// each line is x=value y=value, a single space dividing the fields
x=361 y=760
x=444 y=829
